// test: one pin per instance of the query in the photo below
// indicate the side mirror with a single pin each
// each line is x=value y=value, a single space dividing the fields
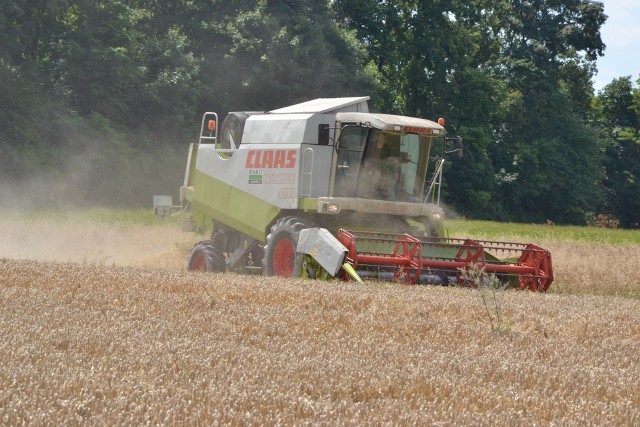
x=458 y=146
x=323 y=134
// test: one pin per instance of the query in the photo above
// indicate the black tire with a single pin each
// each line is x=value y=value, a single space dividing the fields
x=231 y=131
x=280 y=255
x=444 y=277
x=206 y=256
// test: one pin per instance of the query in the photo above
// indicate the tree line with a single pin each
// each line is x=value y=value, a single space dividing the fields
x=99 y=98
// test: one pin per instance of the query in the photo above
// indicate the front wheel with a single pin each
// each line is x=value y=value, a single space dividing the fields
x=206 y=256
x=280 y=252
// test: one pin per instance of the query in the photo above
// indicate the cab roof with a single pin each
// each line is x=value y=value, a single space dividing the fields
x=392 y=123
x=326 y=105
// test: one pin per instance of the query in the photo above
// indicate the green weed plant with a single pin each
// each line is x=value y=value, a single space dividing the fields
x=491 y=292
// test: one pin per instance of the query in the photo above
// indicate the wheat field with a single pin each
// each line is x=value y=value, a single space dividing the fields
x=114 y=332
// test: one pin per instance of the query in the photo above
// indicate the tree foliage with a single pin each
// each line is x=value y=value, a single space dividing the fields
x=128 y=80
x=617 y=114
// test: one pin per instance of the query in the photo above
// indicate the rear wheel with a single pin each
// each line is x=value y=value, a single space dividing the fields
x=280 y=252
x=206 y=256
x=231 y=131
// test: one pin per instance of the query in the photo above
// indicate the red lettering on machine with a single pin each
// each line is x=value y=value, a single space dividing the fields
x=271 y=159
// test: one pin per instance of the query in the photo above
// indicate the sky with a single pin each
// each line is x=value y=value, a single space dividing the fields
x=621 y=34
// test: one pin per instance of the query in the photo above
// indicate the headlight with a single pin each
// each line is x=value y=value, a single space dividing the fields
x=437 y=216
x=331 y=208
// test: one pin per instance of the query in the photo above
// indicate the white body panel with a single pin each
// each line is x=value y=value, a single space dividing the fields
x=327 y=105
x=270 y=173
x=323 y=247
x=285 y=128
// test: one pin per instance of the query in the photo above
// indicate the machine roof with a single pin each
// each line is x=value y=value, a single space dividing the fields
x=388 y=121
x=327 y=105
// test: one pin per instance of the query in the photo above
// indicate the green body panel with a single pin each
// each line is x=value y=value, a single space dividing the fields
x=439 y=252
x=428 y=251
x=213 y=199
x=308 y=204
x=193 y=157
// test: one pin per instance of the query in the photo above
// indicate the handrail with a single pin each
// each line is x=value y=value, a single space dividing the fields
x=211 y=137
x=437 y=180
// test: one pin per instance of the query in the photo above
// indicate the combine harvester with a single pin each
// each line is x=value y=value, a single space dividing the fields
x=326 y=188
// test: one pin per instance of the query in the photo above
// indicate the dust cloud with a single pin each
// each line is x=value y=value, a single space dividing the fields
x=92 y=168
x=91 y=243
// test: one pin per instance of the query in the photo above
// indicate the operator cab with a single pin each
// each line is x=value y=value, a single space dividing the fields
x=384 y=158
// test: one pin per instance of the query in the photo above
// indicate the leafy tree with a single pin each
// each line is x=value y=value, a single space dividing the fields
x=28 y=104
x=417 y=47
x=114 y=62
x=618 y=115
x=470 y=183
x=272 y=53
x=547 y=156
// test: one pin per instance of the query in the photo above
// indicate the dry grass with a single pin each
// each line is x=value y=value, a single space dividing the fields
x=594 y=269
x=124 y=345
x=90 y=342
